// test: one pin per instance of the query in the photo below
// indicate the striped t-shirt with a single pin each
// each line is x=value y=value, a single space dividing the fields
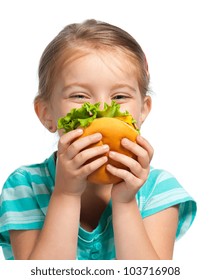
x=26 y=194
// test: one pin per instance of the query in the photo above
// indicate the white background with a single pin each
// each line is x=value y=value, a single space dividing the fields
x=175 y=37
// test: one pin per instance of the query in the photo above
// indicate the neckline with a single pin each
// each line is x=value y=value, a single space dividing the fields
x=104 y=221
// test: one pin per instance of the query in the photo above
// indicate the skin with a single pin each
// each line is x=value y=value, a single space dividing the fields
x=97 y=77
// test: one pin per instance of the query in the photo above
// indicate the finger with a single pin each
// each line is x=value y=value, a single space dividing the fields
x=146 y=145
x=89 y=168
x=67 y=138
x=143 y=155
x=125 y=175
x=129 y=178
x=82 y=144
x=131 y=163
x=89 y=154
x=68 y=141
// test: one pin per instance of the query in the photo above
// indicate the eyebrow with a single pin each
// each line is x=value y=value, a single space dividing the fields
x=87 y=86
x=83 y=85
x=117 y=86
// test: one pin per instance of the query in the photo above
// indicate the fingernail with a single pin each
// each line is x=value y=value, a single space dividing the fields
x=105 y=159
x=124 y=141
x=109 y=167
x=105 y=147
x=97 y=135
x=112 y=154
x=79 y=130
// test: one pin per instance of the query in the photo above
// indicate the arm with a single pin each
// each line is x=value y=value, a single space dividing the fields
x=149 y=238
x=59 y=235
x=57 y=239
x=137 y=238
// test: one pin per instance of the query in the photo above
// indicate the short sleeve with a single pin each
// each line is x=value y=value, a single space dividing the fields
x=19 y=206
x=162 y=190
x=24 y=200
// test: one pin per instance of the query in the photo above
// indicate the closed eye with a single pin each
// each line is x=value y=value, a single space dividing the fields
x=79 y=96
x=120 y=97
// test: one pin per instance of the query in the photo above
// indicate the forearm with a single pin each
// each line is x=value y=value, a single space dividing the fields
x=131 y=239
x=59 y=236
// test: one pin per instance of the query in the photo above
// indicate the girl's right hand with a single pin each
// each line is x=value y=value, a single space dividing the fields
x=71 y=168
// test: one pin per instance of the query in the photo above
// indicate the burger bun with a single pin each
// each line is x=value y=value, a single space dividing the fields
x=112 y=130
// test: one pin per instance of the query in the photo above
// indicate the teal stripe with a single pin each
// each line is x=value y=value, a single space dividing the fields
x=19 y=178
x=7 y=251
x=168 y=184
x=43 y=200
x=28 y=226
x=16 y=180
x=36 y=179
x=158 y=182
x=19 y=205
x=186 y=217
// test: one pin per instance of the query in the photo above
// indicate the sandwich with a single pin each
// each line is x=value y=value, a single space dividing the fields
x=112 y=124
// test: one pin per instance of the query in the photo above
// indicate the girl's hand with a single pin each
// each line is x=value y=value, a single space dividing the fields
x=133 y=179
x=72 y=169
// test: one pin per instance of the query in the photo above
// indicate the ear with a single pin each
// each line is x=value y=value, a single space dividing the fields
x=146 y=108
x=44 y=114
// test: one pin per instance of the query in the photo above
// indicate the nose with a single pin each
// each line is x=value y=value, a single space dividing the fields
x=103 y=101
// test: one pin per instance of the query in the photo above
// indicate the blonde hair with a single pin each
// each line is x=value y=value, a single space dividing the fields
x=90 y=34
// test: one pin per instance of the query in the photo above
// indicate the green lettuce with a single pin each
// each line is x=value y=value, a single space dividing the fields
x=84 y=116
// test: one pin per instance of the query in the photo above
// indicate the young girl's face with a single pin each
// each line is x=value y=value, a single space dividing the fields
x=97 y=77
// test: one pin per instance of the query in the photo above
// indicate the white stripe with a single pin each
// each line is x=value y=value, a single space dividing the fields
x=22 y=191
x=184 y=224
x=17 y=192
x=40 y=171
x=165 y=198
x=162 y=176
x=22 y=217
x=40 y=189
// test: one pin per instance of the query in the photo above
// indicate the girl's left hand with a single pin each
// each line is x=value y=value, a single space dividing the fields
x=133 y=179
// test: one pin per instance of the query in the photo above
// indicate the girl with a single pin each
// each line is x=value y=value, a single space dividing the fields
x=49 y=210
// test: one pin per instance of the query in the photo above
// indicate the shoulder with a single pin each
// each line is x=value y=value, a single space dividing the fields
x=162 y=188
x=159 y=182
x=29 y=174
x=161 y=191
x=25 y=197
x=28 y=186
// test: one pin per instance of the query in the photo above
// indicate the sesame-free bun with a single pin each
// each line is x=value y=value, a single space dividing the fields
x=112 y=130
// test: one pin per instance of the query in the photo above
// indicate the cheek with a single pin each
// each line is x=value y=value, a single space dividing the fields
x=137 y=116
x=138 y=123
x=59 y=111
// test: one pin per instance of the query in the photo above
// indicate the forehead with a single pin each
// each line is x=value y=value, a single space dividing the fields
x=117 y=58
